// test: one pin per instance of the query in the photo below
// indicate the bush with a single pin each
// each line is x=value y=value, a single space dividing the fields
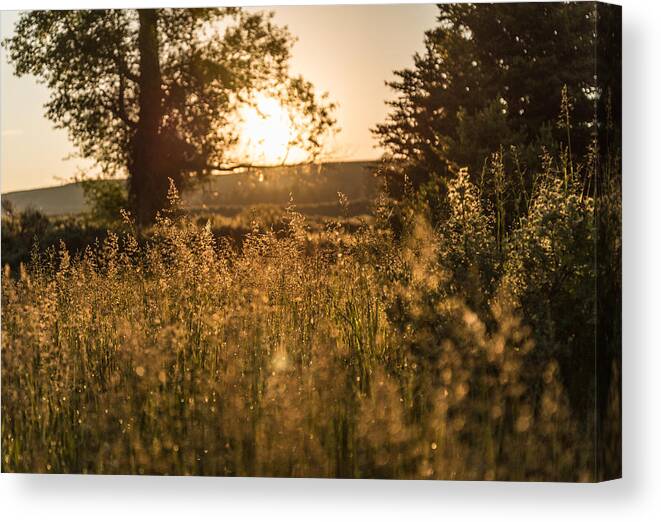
x=105 y=198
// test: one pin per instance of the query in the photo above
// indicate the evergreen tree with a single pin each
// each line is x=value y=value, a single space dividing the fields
x=493 y=76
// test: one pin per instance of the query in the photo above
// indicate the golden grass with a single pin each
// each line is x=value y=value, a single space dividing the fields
x=286 y=359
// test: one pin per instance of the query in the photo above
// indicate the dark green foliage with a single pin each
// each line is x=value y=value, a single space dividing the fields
x=493 y=77
x=528 y=98
x=105 y=198
x=550 y=271
x=31 y=231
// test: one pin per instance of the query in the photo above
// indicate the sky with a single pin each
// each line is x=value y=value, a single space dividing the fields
x=347 y=51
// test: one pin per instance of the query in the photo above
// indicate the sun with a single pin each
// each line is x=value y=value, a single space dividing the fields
x=268 y=133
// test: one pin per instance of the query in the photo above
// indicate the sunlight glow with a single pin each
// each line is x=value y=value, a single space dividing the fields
x=268 y=133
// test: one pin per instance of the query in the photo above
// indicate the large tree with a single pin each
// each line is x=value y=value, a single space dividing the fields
x=492 y=76
x=154 y=93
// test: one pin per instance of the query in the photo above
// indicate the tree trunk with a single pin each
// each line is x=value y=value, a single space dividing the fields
x=148 y=183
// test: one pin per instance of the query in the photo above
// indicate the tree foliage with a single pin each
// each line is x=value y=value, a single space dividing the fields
x=495 y=76
x=154 y=93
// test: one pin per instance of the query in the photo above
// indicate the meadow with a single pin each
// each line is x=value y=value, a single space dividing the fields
x=346 y=347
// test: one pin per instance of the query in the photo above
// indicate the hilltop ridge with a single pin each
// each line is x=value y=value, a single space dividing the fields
x=305 y=184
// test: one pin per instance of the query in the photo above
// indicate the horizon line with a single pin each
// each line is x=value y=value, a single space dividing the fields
x=66 y=183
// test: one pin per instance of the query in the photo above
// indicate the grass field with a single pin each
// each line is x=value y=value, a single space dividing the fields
x=333 y=350
x=214 y=296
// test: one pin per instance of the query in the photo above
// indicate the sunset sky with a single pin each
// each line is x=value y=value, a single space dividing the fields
x=348 y=51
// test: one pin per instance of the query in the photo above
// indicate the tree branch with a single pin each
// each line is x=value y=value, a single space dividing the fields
x=119 y=108
x=123 y=68
x=233 y=167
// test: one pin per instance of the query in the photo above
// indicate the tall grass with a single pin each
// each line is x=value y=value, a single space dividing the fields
x=334 y=355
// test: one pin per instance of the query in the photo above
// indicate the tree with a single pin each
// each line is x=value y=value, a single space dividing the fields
x=492 y=76
x=154 y=92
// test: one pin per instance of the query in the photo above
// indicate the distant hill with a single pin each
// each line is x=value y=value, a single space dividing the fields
x=65 y=199
x=307 y=185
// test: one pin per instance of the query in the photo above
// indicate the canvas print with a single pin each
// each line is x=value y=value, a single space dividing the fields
x=342 y=241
